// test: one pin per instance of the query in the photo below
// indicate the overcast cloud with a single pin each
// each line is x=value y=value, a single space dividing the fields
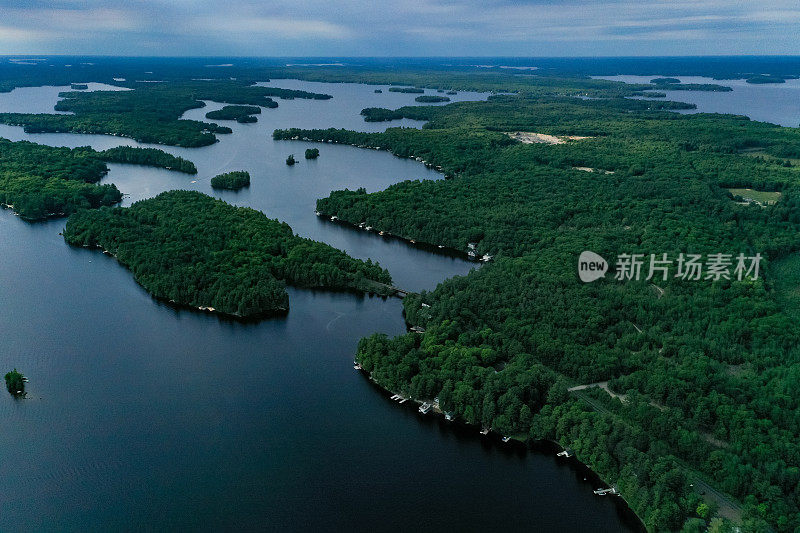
x=400 y=27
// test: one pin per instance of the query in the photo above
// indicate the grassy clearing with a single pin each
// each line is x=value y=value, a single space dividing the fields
x=762 y=197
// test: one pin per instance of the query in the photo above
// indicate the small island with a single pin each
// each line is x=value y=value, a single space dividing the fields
x=78 y=86
x=312 y=153
x=290 y=160
x=761 y=79
x=411 y=90
x=431 y=99
x=15 y=383
x=240 y=113
x=147 y=156
x=378 y=91
x=664 y=81
x=232 y=181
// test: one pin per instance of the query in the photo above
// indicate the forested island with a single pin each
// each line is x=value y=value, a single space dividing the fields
x=665 y=81
x=312 y=153
x=410 y=90
x=379 y=114
x=41 y=181
x=190 y=249
x=147 y=156
x=762 y=79
x=705 y=87
x=15 y=383
x=239 y=113
x=231 y=180
x=431 y=99
x=38 y=181
x=151 y=112
x=700 y=365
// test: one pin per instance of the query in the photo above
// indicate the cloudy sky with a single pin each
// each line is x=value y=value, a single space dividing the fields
x=400 y=27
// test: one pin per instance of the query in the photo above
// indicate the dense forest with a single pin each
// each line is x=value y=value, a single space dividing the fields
x=705 y=367
x=704 y=372
x=15 y=383
x=147 y=156
x=239 y=113
x=231 y=180
x=312 y=153
x=410 y=90
x=762 y=79
x=191 y=249
x=41 y=181
x=431 y=99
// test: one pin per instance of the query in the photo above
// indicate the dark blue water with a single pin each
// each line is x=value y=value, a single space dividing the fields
x=141 y=416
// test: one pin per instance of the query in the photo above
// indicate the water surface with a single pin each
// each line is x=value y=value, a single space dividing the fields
x=778 y=103
x=143 y=416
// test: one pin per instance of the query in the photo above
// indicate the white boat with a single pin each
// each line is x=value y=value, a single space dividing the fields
x=485 y=431
x=506 y=439
x=449 y=417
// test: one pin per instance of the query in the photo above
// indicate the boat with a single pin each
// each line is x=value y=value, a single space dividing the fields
x=449 y=417
x=506 y=439
x=425 y=408
x=357 y=366
x=485 y=431
x=565 y=453
x=334 y=217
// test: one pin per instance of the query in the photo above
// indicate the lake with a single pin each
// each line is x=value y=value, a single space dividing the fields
x=142 y=416
x=778 y=103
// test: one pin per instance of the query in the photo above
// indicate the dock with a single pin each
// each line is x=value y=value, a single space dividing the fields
x=607 y=492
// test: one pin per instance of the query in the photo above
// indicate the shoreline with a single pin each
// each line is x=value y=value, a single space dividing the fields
x=515 y=440
x=428 y=247
x=256 y=317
